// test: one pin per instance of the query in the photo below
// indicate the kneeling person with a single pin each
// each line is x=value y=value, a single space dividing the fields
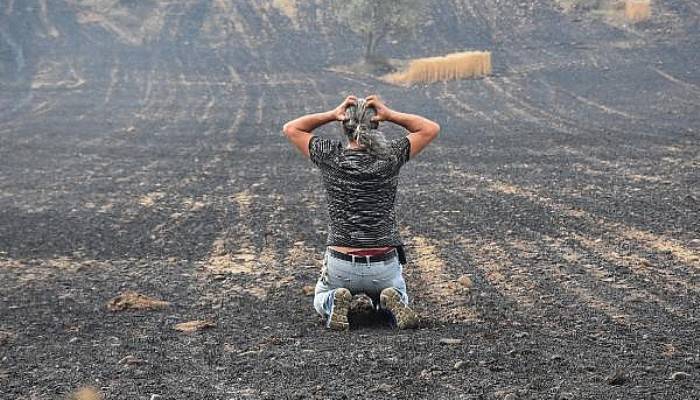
x=364 y=251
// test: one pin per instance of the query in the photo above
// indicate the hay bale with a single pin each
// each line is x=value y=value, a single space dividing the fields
x=468 y=64
x=637 y=10
x=135 y=301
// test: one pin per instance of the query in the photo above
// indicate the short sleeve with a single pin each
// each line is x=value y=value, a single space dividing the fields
x=321 y=150
x=401 y=148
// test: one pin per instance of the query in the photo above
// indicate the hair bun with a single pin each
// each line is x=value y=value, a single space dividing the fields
x=360 y=127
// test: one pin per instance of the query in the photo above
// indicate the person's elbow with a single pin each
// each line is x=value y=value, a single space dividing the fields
x=433 y=129
x=288 y=129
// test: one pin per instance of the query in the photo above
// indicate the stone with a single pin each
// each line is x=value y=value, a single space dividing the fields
x=131 y=360
x=618 y=377
x=135 y=301
x=194 y=326
x=465 y=281
x=86 y=393
x=308 y=290
x=680 y=375
x=6 y=337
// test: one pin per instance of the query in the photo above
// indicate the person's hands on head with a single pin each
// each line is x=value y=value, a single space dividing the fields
x=383 y=112
x=339 y=112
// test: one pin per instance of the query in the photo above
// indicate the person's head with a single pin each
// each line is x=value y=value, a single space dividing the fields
x=360 y=128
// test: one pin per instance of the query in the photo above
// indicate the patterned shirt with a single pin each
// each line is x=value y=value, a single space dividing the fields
x=360 y=191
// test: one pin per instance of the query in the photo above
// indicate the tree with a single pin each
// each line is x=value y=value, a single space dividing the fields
x=377 y=20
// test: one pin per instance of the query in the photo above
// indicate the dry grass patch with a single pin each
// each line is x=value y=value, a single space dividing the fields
x=135 y=301
x=194 y=326
x=437 y=285
x=86 y=393
x=150 y=199
x=637 y=10
x=614 y=12
x=287 y=7
x=469 y=64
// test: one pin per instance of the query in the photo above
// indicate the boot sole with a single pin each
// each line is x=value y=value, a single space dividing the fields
x=404 y=316
x=338 y=320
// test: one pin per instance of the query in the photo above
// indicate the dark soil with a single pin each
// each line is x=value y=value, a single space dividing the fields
x=566 y=186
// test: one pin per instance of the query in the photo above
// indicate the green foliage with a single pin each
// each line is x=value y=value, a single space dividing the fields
x=377 y=20
x=584 y=5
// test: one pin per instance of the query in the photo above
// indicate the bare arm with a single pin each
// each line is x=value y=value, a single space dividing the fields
x=298 y=131
x=421 y=130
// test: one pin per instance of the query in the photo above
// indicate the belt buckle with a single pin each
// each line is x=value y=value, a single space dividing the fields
x=365 y=259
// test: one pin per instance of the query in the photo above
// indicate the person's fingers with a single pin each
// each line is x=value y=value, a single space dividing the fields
x=375 y=101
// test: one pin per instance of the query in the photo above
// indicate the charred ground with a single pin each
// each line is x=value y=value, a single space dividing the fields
x=140 y=149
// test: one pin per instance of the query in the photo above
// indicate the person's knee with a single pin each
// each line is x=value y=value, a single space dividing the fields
x=319 y=300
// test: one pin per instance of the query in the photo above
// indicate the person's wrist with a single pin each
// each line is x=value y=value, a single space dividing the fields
x=390 y=115
x=331 y=115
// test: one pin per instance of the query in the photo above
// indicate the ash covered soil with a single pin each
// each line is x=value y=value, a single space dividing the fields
x=552 y=228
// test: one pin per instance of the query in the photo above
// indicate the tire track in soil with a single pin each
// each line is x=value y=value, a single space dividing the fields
x=596 y=167
x=533 y=113
x=257 y=269
x=155 y=108
x=233 y=252
x=499 y=265
x=642 y=121
x=693 y=89
x=657 y=243
x=675 y=287
x=157 y=105
x=529 y=111
x=216 y=161
x=495 y=267
x=462 y=108
x=20 y=66
x=653 y=242
x=607 y=297
x=436 y=291
x=161 y=108
x=270 y=267
x=496 y=262
x=301 y=206
x=596 y=105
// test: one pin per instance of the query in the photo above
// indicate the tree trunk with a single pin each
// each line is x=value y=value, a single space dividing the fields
x=369 y=50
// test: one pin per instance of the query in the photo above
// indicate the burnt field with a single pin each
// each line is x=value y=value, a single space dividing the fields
x=141 y=149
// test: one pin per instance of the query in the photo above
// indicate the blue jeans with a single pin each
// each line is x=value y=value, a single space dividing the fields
x=358 y=277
